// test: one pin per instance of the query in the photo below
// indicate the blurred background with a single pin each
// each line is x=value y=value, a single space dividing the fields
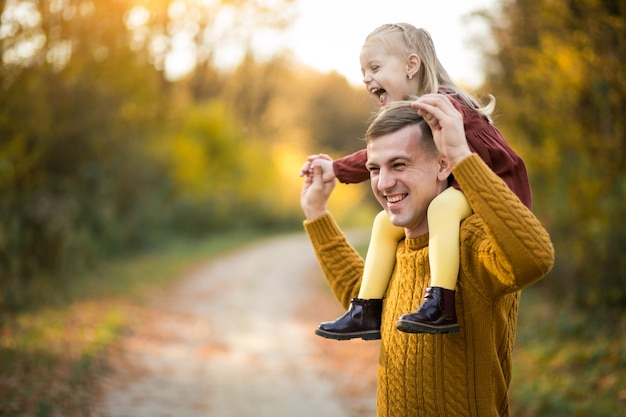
x=127 y=126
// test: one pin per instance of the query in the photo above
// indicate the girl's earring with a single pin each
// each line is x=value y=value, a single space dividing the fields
x=410 y=76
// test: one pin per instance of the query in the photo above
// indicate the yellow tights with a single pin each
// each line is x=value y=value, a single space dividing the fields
x=445 y=213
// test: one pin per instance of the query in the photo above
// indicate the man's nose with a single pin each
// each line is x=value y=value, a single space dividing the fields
x=386 y=180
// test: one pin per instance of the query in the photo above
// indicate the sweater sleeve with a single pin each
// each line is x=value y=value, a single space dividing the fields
x=525 y=250
x=340 y=262
x=351 y=169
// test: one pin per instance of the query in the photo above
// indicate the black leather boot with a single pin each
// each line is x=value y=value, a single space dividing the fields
x=361 y=320
x=436 y=314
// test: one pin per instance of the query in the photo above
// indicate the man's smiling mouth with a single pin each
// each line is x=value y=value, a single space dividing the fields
x=395 y=198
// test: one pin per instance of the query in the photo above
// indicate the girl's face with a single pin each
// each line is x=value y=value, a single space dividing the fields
x=385 y=75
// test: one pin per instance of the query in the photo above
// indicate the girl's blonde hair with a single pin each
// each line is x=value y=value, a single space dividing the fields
x=431 y=75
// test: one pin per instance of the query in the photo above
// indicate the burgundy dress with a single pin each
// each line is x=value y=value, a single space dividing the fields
x=482 y=137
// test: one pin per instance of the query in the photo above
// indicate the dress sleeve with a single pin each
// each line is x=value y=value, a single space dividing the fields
x=351 y=169
x=486 y=140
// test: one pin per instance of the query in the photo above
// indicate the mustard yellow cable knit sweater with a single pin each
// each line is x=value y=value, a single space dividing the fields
x=504 y=248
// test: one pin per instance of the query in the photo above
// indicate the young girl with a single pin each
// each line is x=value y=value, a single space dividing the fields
x=399 y=61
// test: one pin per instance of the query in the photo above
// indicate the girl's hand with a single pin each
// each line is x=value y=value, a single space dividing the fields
x=326 y=164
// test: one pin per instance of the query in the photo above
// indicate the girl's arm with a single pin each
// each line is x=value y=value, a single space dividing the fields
x=350 y=169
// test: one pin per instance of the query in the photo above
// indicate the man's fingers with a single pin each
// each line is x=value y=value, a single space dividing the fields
x=435 y=100
x=428 y=109
x=435 y=109
x=317 y=174
x=428 y=116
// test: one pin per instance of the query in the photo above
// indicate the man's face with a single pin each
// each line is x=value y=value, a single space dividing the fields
x=404 y=178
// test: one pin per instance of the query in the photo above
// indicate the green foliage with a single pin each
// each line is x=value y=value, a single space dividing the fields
x=73 y=132
x=568 y=365
x=335 y=125
x=102 y=153
x=558 y=77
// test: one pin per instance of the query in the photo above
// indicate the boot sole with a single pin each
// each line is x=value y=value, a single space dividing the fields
x=371 y=335
x=413 y=327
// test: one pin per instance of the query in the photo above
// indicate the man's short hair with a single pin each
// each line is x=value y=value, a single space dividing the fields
x=396 y=116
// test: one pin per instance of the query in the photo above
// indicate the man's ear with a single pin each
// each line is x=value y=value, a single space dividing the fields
x=413 y=63
x=445 y=168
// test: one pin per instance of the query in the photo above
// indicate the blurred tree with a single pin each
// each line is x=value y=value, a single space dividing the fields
x=558 y=74
x=75 y=106
x=296 y=111
x=105 y=148
x=180 y=36
x=339 y=115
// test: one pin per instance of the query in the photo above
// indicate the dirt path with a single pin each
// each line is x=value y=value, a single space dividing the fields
x=235 y=338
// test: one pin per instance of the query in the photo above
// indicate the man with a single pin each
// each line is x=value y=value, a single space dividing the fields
x=504 y=248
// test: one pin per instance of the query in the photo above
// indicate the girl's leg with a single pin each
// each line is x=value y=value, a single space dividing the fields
x=364 y=315
x=381 y=257
x=445 y=214
x=436 y=314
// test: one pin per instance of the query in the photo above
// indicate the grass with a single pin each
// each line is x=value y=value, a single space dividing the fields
x=567 y=363
x=52 y=353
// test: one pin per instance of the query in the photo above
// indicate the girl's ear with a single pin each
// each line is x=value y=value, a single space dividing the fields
x=413 y=63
